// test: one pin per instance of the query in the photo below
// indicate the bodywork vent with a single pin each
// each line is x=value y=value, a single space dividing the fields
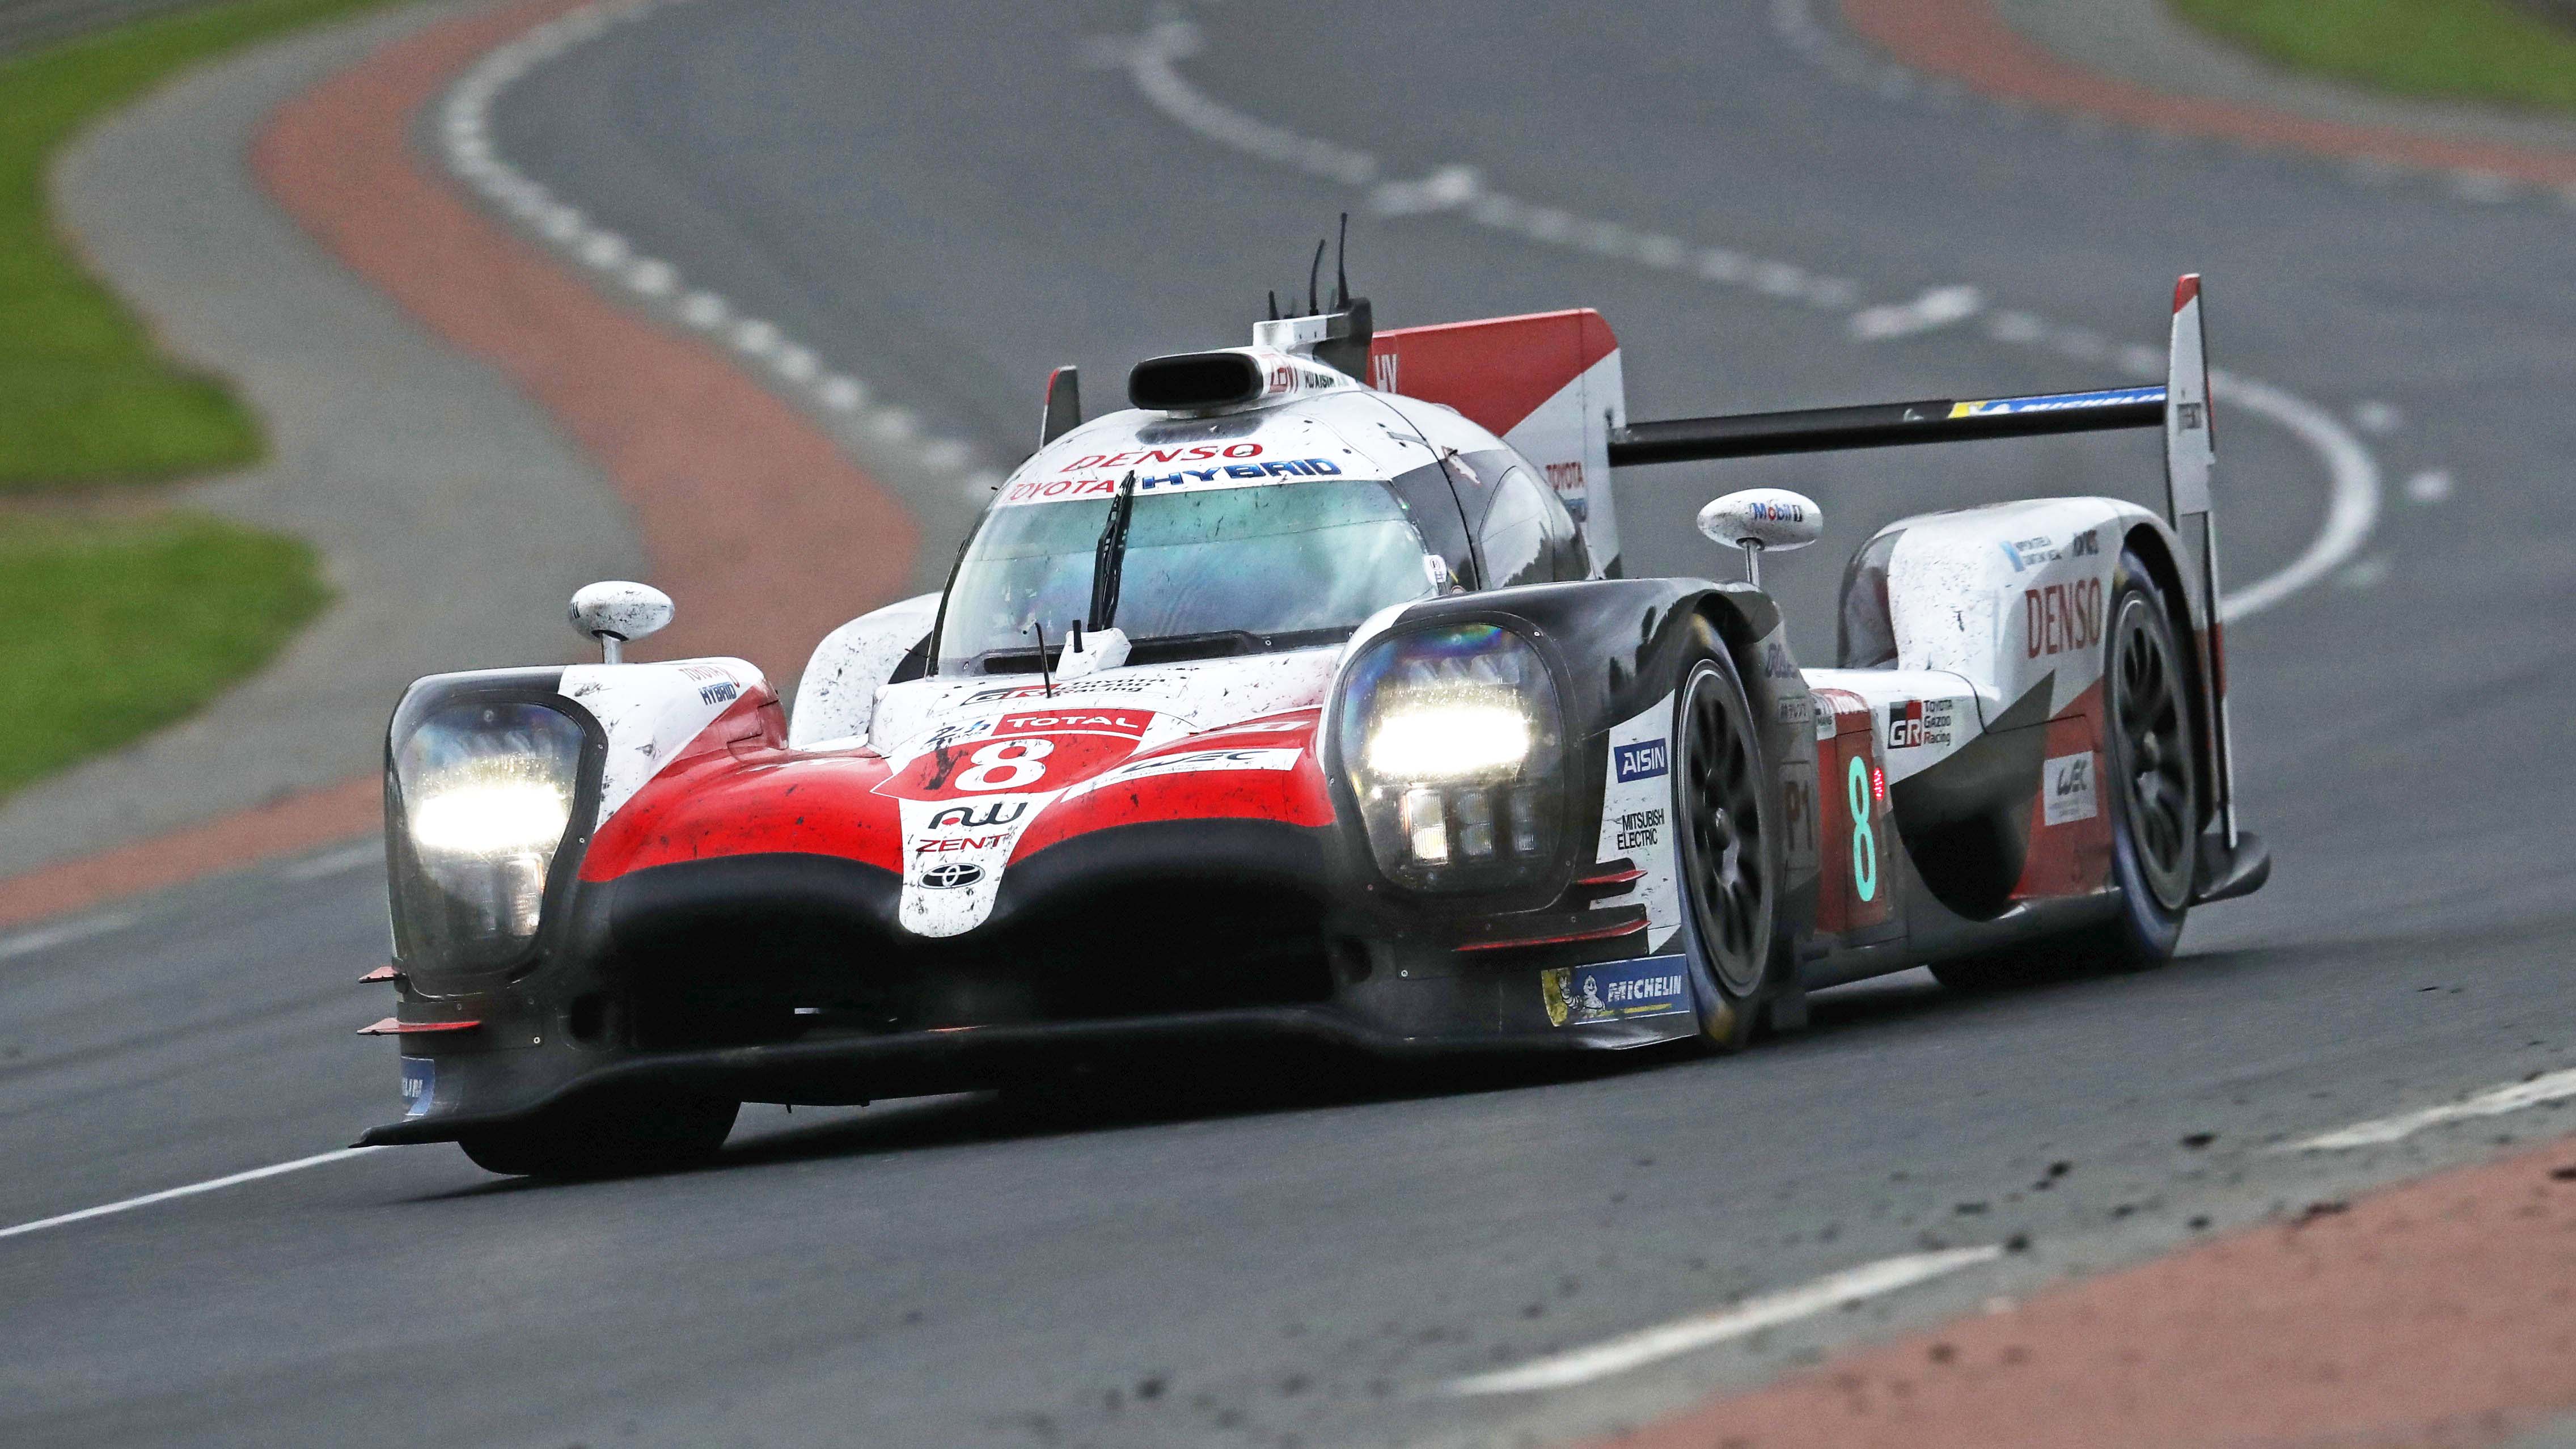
x=1194 y=381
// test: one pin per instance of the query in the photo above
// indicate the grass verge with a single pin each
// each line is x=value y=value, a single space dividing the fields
x=132 y=623
x=84 y=396
x=2470 y=50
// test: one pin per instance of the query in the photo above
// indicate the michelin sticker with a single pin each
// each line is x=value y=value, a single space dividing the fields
x=419 y=1085
x=2067 y=792
x=1615 y=991
x=1636 y=810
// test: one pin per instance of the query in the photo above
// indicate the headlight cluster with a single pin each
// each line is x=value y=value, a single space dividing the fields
x=1450 y=739
x=485 y=792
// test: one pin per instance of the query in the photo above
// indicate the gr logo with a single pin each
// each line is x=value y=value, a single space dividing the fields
x=1642 y=761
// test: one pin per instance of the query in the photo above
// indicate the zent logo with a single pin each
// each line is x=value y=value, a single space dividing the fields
x=951 y=875
x=1642 y=761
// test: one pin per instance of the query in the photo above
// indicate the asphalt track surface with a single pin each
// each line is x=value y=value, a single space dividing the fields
x=949 y=202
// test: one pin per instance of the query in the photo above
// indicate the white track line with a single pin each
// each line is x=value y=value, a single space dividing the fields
x=50 y=936
x=2494 y=1102
x=348 y=858
x=1151 y=61
x=466 y=144
x=191 y=1190
x=1635 y=1350
x=2351 y=513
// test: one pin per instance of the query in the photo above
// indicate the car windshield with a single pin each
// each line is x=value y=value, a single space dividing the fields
x=1288 y=558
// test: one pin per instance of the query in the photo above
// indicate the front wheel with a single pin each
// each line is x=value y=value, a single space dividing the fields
x=625 y=1139
x=1730 y=856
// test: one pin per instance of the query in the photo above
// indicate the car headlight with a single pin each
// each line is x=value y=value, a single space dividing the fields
x=483 y=795
x=1450 y=740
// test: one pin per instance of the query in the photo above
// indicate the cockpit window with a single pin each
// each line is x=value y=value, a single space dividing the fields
x=1303 y=558
x=1528 y=538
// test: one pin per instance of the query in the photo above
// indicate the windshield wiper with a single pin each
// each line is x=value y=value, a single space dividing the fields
x=1110 y=556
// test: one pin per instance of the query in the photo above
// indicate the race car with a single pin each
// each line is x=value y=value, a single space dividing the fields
x=1306 y=701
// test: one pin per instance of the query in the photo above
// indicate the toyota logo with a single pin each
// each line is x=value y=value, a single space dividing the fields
x=950 y=875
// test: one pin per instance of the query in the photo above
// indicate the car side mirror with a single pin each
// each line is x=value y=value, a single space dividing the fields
x=617 y=613
x=1760 y=521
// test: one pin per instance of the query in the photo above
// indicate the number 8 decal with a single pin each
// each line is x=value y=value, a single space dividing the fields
x=1864 y=840
x=996 y=768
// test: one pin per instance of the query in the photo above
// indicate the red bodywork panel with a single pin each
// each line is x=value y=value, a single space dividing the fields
x=1495 y=371
x=726 y=795
x=2073 y=858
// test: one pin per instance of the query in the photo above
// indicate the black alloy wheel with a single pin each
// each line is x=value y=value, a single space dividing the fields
x=1720 y=786
x=2151 y=748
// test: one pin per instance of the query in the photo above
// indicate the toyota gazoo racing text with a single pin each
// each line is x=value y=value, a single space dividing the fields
x=1305 y=700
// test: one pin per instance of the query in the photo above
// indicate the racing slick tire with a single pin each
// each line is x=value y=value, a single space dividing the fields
x=2153 y=800
x=1725 y=810
x=596 y=1141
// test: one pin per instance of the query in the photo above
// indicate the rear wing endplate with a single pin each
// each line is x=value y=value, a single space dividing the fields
x=2233 y=863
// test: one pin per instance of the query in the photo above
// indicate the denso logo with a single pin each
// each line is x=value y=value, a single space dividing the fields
x=1642 y=762
x=1196 y=452
x=2062 y=617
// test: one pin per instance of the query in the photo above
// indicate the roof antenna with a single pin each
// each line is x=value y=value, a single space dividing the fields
x=1274 y=304
x=1314 y=270
x=1341 y=272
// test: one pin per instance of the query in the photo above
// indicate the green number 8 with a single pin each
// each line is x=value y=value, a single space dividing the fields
x=1864 y=840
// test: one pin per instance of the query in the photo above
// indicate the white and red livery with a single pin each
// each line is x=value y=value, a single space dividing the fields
x=1305 y=701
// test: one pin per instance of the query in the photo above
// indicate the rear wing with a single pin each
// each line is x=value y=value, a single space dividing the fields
x=2181 y=407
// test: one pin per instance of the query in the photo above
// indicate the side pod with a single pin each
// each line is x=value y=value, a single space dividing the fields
x=2231 y=861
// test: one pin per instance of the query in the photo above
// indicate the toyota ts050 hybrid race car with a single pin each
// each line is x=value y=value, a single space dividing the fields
x=1305 y=699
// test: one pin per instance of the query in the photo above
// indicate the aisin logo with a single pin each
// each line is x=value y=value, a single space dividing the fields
x=951 y=875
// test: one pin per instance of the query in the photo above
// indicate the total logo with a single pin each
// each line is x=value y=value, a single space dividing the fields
x=950 y=875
